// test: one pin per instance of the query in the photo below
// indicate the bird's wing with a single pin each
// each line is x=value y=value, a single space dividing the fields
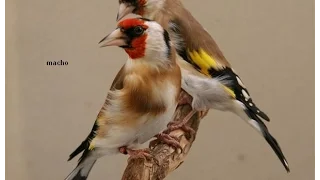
x=195 y=45
x=118 y=80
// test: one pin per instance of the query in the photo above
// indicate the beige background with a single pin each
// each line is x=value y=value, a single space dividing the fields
x=50 y=110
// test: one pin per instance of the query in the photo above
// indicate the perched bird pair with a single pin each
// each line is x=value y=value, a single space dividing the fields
x=128 y=116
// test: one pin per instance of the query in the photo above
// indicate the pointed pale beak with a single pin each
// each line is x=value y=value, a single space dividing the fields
x=124 y=9
x=116 y=38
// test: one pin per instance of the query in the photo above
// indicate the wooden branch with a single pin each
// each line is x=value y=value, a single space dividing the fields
x=165 y=159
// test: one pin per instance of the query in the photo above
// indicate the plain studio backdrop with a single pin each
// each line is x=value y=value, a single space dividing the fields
x=50 y=110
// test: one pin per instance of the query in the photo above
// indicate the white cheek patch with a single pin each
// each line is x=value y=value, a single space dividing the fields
x=156 y=47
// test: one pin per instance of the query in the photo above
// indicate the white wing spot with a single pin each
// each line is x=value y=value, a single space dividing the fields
x=258 y=111
x=245 y=94
x=240 y=82
x=250 y=104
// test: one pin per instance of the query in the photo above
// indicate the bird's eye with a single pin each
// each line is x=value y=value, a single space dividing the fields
x=138 y=30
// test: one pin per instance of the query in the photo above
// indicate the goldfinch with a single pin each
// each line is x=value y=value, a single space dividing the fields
x=142 y=99
x=217 y=86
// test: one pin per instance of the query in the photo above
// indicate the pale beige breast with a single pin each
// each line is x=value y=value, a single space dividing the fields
x=144 y=93
x=124 y=124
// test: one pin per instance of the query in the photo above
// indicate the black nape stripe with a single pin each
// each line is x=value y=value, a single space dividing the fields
x=145 y=19
x=167 y=40
x=134 y=3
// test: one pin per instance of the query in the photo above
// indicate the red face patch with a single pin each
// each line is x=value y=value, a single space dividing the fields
x=138 y=47
x=138 y=42
x=129 y=23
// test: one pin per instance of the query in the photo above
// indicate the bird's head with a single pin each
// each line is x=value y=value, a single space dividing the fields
x=141 y=39
x=145 y=8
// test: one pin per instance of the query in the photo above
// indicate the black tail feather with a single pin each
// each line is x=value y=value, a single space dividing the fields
x=276 y=148
x=81 y=172
x=254 y=110
x=272 y=142
x=86 y=143
x=82 y=147
x=86 y=161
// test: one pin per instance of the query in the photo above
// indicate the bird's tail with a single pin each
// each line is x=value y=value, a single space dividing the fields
x=82 y=170
x=87 y=159
x=258 y=124
x=85 y=164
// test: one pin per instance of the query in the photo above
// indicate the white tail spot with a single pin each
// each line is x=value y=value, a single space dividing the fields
x=245 y=94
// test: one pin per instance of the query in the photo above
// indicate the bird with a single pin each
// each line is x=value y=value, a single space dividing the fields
x=207 y=75
x=142 y=98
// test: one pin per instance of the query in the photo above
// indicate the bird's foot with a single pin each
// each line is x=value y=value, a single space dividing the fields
x=170 y=140
x=174 y=125
x=136 y=153
x=179 y=125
